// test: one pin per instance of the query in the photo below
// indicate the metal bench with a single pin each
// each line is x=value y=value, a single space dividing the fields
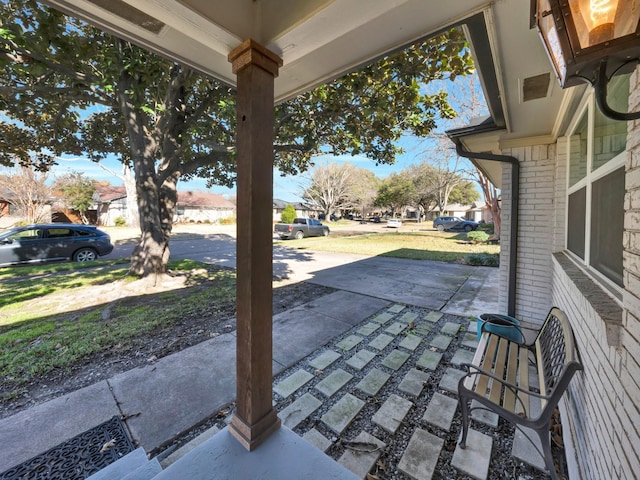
x=498 y=378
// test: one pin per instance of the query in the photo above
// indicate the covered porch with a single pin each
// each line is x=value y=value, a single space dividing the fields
x=272 y=50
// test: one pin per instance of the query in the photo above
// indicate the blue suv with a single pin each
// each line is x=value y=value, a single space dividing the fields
x=55 y=241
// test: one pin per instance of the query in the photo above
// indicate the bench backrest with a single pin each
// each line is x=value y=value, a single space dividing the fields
x=556 y=354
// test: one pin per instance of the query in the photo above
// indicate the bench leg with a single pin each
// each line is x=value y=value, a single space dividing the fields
x=545 y=441
x=464 y=408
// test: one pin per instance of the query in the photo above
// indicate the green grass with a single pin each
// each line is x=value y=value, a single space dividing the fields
x=448 y=247
x=23 y=285
x=35 y=341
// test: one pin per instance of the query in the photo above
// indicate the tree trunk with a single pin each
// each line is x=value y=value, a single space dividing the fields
x=151 y=254
x=133 y=216
x=491 y=199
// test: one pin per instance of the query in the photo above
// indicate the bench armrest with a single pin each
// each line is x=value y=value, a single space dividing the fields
x=477 y=371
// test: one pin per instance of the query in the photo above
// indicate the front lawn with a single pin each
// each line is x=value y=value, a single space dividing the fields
x=416 y=245
x=50 y=321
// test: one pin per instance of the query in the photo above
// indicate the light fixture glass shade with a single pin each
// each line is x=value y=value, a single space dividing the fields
x=547 y=27
x=579 y=35
x=601 y=21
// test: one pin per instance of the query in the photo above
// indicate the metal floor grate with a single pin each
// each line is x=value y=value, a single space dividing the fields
x=77 y=458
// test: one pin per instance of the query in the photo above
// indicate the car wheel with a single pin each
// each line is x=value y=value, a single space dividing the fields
x=299 y=235
x=468 y=228
x=325 y=233
x=85 y=255
x=440 y=228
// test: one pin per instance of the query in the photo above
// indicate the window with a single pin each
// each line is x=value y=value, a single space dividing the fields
x=60 y=233
x=596 y=185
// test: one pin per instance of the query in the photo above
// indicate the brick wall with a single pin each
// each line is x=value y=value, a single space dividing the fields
x=537 y=218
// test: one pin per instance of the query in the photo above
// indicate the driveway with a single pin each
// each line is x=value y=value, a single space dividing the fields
x=451 y=288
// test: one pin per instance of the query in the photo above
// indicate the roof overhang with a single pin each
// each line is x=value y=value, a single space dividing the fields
x=320 y=40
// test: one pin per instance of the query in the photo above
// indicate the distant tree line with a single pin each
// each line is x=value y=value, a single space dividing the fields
x=334 y=188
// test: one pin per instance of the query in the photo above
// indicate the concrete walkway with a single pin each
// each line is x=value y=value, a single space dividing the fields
x=162 y=400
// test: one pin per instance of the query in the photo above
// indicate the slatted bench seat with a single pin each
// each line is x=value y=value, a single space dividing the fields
x=498 y=378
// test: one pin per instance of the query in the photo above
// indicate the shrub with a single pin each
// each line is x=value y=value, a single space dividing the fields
x=120 y=222
x=227 y=221
x=478 y=236
x=288 y=214
x=483 y=259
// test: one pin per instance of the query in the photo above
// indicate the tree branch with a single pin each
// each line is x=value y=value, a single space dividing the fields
x=23 y=56
x=42 y=90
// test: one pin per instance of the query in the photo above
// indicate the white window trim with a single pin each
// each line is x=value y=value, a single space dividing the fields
x=588 y=104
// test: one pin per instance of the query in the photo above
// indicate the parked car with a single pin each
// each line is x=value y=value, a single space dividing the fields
x=53 y=242
x=300 y=228
x=454 y=223
x=394 y=223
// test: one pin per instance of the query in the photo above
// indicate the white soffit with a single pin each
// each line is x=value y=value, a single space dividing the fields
x=319 y=40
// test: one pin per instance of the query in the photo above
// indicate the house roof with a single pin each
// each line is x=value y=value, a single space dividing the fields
x=319 y=40
x=204 y=199
x=281 y=204
x=456 y=207
x=106 y=192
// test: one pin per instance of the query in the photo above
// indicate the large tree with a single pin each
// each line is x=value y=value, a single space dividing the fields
x=395 y=192
x=330 y=186
x=73 y=89
x=364 y=192
x=468 y=101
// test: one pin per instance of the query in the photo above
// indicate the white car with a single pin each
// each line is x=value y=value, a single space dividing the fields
x=394 y=223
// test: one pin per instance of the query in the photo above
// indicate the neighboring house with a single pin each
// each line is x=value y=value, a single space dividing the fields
x=302 y=210
x=192 y=207
x=6 y=218
x=203 y=207
x=110 y=203
x=479 y=212
x=476 y=212
x=455 y=210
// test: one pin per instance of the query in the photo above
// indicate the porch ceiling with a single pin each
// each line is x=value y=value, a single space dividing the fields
x=321 y=39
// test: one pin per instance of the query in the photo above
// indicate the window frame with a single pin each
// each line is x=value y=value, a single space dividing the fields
x=591 y=176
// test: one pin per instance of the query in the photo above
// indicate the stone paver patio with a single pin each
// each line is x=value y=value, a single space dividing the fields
x=381 y=399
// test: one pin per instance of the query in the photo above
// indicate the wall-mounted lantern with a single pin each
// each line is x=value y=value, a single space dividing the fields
x=590 y=41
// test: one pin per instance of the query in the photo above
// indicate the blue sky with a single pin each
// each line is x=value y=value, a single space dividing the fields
x=284 y=188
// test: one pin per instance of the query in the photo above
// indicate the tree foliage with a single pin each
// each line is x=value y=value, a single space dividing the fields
x=72 y=89
x=364 y=191
x=288 y=214
x=464 y=193
x=77 y=190
x=395 y=192
x=425 y=187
